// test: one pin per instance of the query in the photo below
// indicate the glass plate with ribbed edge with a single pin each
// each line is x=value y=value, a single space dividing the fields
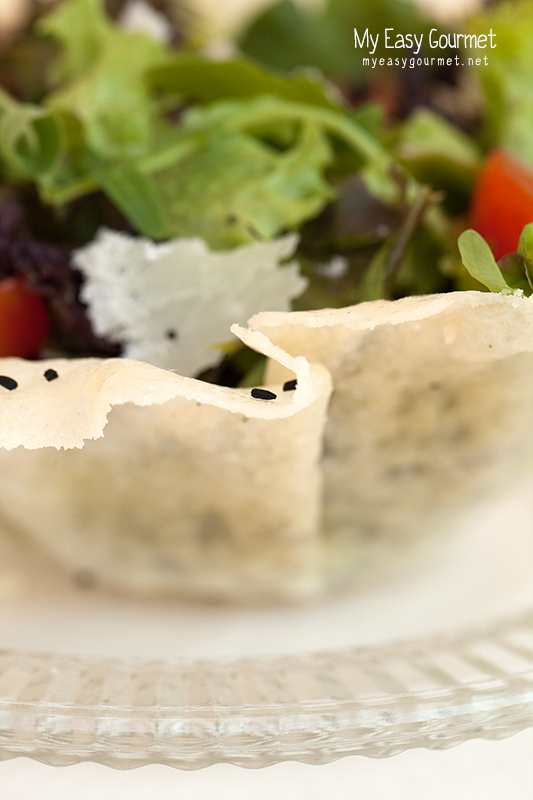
x=254 y=712
x=349 y=695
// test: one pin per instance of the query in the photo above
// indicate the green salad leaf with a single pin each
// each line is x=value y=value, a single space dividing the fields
x=236 y=188
x=83 y=31
x=507 y=78
x=136 y=195
x=113 y=103
x=31 y=138
x=195 y=79
x=184 y=146
x=287 y=35
x=102 y=69
x=509 y=274
x=440 y=155
x=525 y=249
x=518 y=267
x=478 y=259
x=237 y=183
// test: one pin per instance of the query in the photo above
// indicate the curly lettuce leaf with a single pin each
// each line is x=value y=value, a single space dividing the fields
x=257 y=154
x=242 y=170
x=83 y=31
x=251 y=158
x=102 y=71
x=31 y=138
x=232 y=189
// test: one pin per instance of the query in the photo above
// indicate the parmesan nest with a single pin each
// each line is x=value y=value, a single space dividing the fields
x=404 y=414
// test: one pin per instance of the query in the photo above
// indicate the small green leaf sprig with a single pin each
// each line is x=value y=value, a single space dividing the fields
x=510 y=274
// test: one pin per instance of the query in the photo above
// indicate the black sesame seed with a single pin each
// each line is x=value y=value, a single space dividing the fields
x=290 y=386
x=51 y=375
x=8 y=383
x=171 y=333
x=263 y=394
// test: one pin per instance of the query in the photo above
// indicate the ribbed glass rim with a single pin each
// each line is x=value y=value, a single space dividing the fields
x=435 y=692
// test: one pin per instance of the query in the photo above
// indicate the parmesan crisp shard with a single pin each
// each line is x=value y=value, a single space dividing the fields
x=163 y=484
x=432 y=409
x=183 y=487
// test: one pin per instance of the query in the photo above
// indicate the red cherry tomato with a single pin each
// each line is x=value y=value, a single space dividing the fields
x=502 y=202
x=24 y=319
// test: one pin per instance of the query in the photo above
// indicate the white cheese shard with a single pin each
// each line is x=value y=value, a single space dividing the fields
x=172 y=304
x=432 y=410
x=183 y=487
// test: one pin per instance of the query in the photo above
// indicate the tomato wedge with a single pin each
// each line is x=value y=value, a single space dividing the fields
x=24 y=319
x=503 y=202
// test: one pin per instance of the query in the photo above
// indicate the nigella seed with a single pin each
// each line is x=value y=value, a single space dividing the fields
x=290 y=386
x=51 y=375
x=263 y=394
x=8 y=383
